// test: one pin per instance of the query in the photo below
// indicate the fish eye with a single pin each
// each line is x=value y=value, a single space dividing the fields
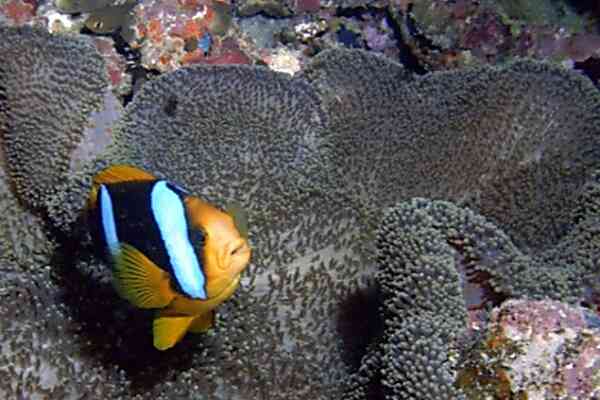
x=98 y=25
x=236 y=250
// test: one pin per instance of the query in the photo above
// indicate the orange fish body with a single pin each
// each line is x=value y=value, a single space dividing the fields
x=170 y=250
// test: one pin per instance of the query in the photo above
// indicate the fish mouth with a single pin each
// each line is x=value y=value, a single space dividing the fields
x=238 y=255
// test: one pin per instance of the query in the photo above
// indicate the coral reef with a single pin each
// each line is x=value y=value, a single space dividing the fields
x=170 y=34
x=17 y=12
x=315 y=158
x=446 y=35
x=86 y=6
x=274 y=8
x=535 y=350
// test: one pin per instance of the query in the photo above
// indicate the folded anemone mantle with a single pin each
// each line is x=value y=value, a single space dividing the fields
x=315 y=159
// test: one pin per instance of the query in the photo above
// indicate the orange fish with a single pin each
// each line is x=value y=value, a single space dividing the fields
x=170 y=250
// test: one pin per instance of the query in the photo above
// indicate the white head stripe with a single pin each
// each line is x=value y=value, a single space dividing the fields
x=108 y=221
x=169 y=214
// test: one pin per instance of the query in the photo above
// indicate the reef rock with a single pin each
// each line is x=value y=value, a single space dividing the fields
x=536 y=350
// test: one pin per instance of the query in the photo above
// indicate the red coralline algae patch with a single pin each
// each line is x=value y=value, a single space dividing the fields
x=583 y=375
x=155 y=31
x=528 y=320
x=119 y=80
x=171 y=33
x=536 y=350
x=191 y=5
x=192 y=29
x=307 y=6
x=226 y=52
x=19 y=12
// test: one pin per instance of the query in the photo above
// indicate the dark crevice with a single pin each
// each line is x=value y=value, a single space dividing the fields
x=407 y=58
x=112 y=331
x=591 y=68
x=360 y=323
x=591 y=7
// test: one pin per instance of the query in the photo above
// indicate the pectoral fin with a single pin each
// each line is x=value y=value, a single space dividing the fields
x=169 y=329
x=203 y=322
x=138 y=280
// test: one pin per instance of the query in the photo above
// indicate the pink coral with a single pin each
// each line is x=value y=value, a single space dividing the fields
x=19 y=12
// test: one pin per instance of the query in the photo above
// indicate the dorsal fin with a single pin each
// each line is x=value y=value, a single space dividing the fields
x=121 y=173
x=116 y=174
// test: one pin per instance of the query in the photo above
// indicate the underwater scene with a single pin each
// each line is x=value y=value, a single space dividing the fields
x=300 y=199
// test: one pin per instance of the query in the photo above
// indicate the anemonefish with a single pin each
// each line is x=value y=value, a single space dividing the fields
x=170 y=250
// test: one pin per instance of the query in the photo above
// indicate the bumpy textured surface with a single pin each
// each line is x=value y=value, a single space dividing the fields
x=513 y=142
x=428 y=252
x=22 y=239
x=315 y=159
x=254 y=136
x=423 y=306
x=48 y=87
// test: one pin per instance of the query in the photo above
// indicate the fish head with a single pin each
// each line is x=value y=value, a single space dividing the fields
x=226 y=251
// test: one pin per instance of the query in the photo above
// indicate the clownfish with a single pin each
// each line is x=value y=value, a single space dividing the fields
x=169 y=250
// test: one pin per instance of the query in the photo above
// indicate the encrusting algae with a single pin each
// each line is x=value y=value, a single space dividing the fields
x=315 y=159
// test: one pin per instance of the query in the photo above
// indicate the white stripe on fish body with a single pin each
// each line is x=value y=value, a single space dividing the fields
x=108 y=222
x=169 y=213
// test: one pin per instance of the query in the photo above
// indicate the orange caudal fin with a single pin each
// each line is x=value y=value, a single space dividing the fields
x=116 y=174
